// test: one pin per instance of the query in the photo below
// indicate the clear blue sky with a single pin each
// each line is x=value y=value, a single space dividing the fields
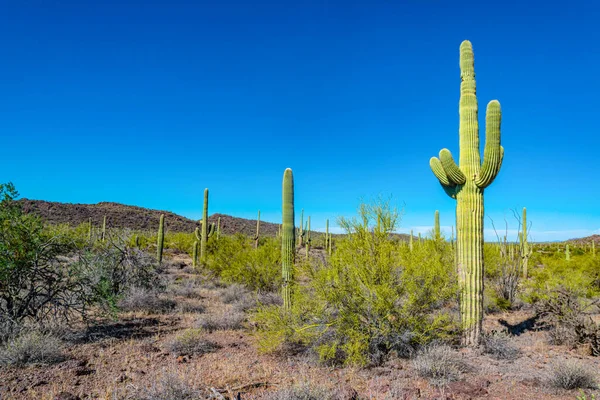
x=149 y=102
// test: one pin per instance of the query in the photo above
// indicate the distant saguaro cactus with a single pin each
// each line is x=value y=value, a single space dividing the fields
x=326 y=232
x=218 y=228
x=308 y=237
x=526 y=250
x=256 y=237
x=465 y=183
x=410 y=241
x=104 y=229
x=436 y=226
x=288 y=242
x=90 y=229
x=207 y=231
x=568 y=253
x=300 y=229
x=161 y=238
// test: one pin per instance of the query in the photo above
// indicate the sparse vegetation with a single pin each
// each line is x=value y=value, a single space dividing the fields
x=571 y=375
x=190 y=342
x=439 y=363
x=32 y=347
x=499 y=345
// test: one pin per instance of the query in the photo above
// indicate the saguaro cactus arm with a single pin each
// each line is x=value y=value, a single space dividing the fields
x=493 y=153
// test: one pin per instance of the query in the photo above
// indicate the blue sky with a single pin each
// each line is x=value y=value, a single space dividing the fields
x=149 y=102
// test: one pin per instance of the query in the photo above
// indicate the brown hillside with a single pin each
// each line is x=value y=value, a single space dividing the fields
x=136 y=218
x=586 y=240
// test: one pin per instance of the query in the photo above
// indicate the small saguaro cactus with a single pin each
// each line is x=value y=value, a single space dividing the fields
x=137 y=241
x=568 y=253
x=301 y=228
x=195 y=253
x=256 y=237
x=288 y=241
x=161 y=238
x=419 y=238
x=307 y=237
x=465 y=183
x=326 y=232
x=218 y=228
x=330 y=244
x=410 y=241
x=593 y=248
x=526 y=250
x=436 y=227
x=90 y=229
x=104 y=229
x=207 y=229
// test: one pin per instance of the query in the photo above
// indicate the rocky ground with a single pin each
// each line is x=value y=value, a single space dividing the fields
x=128 y=358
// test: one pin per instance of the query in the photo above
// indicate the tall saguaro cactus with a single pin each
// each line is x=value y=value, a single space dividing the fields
x=288 y=241
x=161 y=238
x=465 y=183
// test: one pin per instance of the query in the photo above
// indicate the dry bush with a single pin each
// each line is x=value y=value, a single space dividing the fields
x=234 y=293
x=32 y=347
x=141 y=299
x=500 y=346
x=305 y=391
x=188 y=289
x=569 y=375
x=439 y=363
x=170 y=387
x=221 y=322
x=190 y=342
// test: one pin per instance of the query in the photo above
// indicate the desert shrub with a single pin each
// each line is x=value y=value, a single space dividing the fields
x=581 y=275
x=569 y=318
x=190 y=307
x=112 y=269
x=499 y=345
x=234 y=293
x=372 y=298
x=304 y=391
x=256 y=300
x=188 y=288
x=142 y=299
x=36 y=281
x=170 y=387
x=221 y=322
x=570 y=375
x=180 y=241
x=439 y=363
x=32 y=347
x=190 y=342
x=235 y=260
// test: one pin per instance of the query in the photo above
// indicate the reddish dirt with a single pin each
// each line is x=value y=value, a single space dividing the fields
x=126 y=355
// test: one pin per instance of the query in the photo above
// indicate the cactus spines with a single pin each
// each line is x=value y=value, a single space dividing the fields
x=436 y=226
x=161 y=238
x=257 y=231
x=104 y=229
x=288 y=242
x=465 y=183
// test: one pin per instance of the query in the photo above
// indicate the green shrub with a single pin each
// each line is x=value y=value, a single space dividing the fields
x=237 y=261
x=373 y=297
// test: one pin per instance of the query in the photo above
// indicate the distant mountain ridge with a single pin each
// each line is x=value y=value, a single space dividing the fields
x=136 y=218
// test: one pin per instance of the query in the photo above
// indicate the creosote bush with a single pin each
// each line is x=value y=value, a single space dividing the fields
x=221 y=322
x=371 y=299
x=142 y=299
